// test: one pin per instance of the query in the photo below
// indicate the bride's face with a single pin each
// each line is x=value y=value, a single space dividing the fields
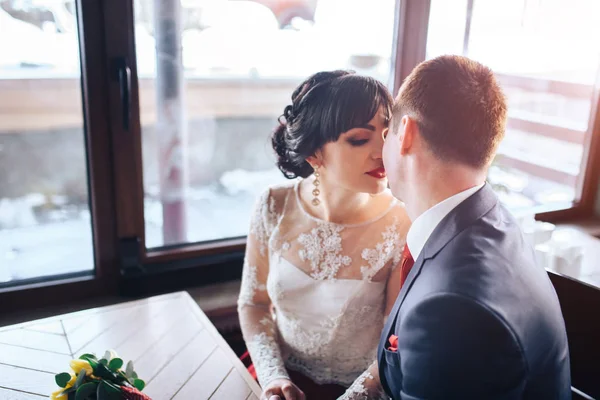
x=354 y=162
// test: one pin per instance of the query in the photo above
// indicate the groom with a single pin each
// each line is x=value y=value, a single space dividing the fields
x=476 y=317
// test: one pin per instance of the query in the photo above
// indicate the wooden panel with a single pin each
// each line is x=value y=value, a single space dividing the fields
x=207 y=378
x=30 y=104
x=235 y=361
x=550 y=174
x=7 y=394
x=96 y=325
x=74 y=320
x=26 y=380
x=544 y=129
x=113 y=337
x=35 y=340
x=34 y=359
x=234 y=387
x=179 y=370
x=50 y=327
x=70 y=324
x=174 y=347
x=541 y=85
x=151 y=362
x=134 y=347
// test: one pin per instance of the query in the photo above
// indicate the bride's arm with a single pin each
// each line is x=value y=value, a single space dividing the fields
x=368 y=386
x=254 y=303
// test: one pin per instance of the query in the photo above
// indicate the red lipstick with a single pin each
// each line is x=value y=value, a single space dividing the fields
x=378 y=173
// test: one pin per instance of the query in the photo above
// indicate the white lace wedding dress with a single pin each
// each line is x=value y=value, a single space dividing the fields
x=313 y=292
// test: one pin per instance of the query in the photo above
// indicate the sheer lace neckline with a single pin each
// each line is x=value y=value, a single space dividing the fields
x=322 y=221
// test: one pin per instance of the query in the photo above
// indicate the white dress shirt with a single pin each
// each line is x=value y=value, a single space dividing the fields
x=425 y=224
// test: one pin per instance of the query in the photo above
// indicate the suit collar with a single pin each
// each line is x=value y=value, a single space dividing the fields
x=423 y=226
x=463 y=216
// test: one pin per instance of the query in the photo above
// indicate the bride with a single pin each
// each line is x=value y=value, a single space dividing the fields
x=319 y=274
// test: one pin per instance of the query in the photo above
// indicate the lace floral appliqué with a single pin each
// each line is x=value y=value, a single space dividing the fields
x=262 y=222
x=358 y=390
x=249 y=286
x=322 y=248
x=384 y=251
x=265 y=354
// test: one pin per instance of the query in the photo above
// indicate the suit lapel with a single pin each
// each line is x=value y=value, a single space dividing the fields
x=464 y=215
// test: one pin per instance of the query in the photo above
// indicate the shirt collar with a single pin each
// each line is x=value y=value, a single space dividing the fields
x=422 y=227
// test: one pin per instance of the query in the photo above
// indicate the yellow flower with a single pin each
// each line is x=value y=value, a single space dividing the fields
x=56 y=395
x=78 y=365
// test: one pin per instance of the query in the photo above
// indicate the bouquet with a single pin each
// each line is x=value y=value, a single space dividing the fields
x=99 y=379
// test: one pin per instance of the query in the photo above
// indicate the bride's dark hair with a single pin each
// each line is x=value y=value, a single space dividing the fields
x=323 y=107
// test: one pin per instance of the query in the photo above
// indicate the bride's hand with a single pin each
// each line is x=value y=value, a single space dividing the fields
x=282 y=389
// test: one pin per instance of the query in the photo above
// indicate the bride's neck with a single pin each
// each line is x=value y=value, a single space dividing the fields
x=337 y=205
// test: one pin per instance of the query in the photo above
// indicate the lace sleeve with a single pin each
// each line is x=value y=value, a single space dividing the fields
x=254 y=303
x=366 y=387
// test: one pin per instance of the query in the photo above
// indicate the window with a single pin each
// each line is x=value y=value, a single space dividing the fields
x=45 y=221
x=206 y=124
x=546 y=55
x=134 y=134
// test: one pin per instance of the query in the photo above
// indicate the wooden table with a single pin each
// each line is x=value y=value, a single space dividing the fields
x=173 y=345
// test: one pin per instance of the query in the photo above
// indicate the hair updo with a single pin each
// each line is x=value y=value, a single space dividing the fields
x=323 y=107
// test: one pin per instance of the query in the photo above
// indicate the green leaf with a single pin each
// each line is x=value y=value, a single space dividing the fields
x=86 y=391
x=62 y=379
x=103 y=372
x=134 y=375
x=80 y=378
x=107 y=391
x=90 y=358
x=103 y=361
x=115 y=364
x=129 y=369
x=139 y=384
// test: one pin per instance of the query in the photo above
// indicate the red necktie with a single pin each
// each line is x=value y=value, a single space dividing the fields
x=405 y=267
x=406 y=264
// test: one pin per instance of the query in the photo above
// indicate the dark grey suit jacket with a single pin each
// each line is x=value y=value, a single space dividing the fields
x=476 y=318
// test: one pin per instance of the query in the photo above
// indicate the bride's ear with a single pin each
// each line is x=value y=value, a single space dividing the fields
x=314 y=160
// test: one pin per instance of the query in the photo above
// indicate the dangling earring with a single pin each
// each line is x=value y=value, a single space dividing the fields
x=316 y=192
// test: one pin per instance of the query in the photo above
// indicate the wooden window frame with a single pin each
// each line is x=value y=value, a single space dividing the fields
x=103 y=280
x=123 y=264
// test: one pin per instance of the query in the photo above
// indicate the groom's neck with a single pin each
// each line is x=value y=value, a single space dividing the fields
x=440 y=183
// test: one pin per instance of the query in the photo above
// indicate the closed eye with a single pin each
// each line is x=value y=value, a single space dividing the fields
x=358 y=142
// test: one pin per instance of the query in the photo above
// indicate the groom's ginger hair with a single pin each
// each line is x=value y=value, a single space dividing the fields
x=458 y=106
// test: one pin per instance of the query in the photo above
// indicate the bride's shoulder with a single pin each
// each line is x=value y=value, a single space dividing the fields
x=397 y=210
x=281 y=191
x=277 y=194
x=272 y=200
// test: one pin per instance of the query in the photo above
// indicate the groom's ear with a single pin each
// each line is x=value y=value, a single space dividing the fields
x=408 y=129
